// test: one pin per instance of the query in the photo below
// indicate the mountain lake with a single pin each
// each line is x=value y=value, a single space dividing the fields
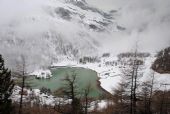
x=84 y=78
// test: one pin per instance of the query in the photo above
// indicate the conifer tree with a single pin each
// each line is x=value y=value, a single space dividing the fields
x=6 y=86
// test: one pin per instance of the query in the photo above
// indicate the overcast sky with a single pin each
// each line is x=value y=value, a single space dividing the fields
x=103 y=4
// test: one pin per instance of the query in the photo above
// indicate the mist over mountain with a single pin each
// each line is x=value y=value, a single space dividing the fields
x=146 y=21
x=47 y=31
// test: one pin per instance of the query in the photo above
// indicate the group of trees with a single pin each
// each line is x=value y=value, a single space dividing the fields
x=134 y=96
x=148 y=101
x=79 y=102
x=162 y=63
x=86 y=59
x=131 y=54
x=6 y=86
x=132 y=74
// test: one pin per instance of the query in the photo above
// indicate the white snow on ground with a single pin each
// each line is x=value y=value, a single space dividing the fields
x=98 y=105
x=42 y=73
x=35 y=96
x=160 y=79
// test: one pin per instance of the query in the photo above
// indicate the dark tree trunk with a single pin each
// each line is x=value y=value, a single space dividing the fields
x=22 y=91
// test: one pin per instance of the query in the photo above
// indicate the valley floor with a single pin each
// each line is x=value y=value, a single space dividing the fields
x=109 y=77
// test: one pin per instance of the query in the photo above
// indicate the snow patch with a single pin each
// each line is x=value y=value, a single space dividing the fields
x=46 y=74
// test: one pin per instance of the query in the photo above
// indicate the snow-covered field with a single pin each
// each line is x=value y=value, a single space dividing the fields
x=34 y=96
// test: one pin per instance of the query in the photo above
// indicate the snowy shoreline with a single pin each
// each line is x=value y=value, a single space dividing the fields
x=98 y=76
x=111 y=76
x=106 y=82
x=108 y=78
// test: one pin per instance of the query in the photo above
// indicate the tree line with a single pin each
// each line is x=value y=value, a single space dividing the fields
x=134 y=96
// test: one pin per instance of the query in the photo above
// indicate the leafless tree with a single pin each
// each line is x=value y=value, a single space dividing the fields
x=71 y=91
x=132 y=72
x=144 y=102
x=86 y=97
x=151 y=91
x=21 y=73
x=120 y=99
x=163 y=100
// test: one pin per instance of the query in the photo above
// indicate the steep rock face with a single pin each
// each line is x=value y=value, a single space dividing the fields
x=57 y=29
x=162 y=63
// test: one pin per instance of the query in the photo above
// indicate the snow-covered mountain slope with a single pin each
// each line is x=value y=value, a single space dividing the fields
x=46 y=30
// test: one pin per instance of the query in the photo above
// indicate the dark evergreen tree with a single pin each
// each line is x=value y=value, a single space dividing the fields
x=162 y=62
x=6 y=86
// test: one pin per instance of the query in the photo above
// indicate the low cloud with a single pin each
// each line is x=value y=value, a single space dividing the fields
x=146 y=21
